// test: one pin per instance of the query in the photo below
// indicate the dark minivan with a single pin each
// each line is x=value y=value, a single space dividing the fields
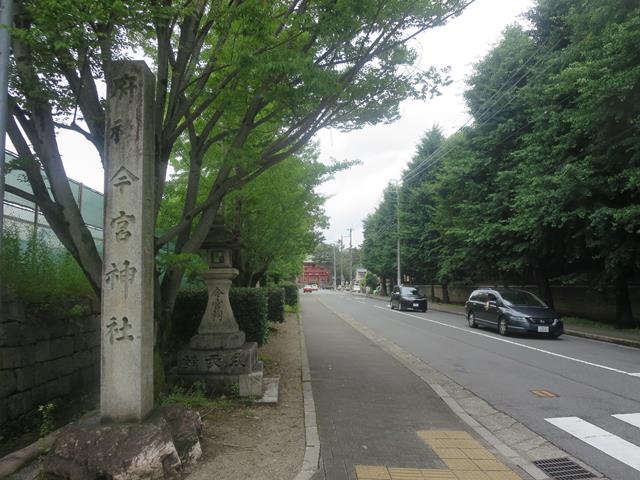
x=405 y=297
x=512 y=311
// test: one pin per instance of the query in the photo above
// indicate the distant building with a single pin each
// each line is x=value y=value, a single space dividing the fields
x=313 y=272
x=360 y=273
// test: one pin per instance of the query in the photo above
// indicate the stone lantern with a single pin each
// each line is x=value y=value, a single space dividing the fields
x=218 y=355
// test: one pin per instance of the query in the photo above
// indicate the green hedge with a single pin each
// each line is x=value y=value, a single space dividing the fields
x=249 y=307
x=251 y=310
x=290 y=293
x=276 y=304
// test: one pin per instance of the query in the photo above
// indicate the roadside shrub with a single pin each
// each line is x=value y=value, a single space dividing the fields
x=276 y=304
x=290 y=293
x=251 y=309
x=249 y=306
x=190 y=306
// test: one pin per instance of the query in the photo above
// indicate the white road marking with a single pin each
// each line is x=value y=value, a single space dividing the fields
x=631 y=418
x=511 y=342
x=611 y=444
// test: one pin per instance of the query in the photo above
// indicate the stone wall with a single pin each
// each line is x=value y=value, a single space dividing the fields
x=579 y=301
x=45 y=359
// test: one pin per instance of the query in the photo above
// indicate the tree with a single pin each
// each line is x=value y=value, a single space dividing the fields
x=240 y=87
x=380 y=237
x=416 y=208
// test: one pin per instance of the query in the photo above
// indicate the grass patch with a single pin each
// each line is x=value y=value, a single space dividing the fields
x=601 y=327
x=196 y=398
x=291 y=308
x=267 y=360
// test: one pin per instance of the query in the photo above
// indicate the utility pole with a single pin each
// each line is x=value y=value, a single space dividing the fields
x=350 y=261
x=6 y=7
x=341 y=263
x=398 y=232
x=335 y=283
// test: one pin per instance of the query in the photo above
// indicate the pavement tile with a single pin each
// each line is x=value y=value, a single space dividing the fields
x=366 y=472
x=491 y=465
x=471 y=475
x=433 y=434
x=479 y=454
x=450 y=453
x=503 y=476
x=465 y=443
x=459 y=434
x=437 y=474
x=447 y=443
x=405 y=474
x=460 y=464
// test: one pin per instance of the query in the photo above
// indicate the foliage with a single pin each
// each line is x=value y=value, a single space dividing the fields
x=543 y=185
x=47 y=421
x=251 y=309
x=370 y=280
x=38 y=273
x=240 y=87
x=275 y=299
x=290 y=294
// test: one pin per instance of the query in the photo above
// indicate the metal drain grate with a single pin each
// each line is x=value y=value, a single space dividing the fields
x=563 y=469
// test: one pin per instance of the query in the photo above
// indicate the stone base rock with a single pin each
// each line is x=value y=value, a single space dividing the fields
x=156 y=449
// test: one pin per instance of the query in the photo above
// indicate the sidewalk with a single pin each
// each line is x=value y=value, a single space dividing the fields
x=378 y=420
x=602 y=333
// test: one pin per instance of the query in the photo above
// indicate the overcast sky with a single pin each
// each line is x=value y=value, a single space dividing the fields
x=385 y=150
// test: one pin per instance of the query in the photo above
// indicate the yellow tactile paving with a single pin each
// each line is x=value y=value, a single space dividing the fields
x=367 y=472
x=471 y=475
x=466 y=443
x=460 y=464
x=437 y=474
x=405 y=473
x=450 y=453
x=503 y=476
x=493 y=465
x=433 y=474
x=466 y=458
x=478 y=454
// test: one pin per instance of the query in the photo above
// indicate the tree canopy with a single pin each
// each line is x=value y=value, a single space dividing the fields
x=543 y=185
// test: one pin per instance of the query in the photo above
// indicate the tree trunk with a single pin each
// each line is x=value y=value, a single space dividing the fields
x=542 y=281
x=624 y=316
x=445 y=292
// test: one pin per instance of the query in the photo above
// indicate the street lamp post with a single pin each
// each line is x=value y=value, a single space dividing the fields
x=399 y=278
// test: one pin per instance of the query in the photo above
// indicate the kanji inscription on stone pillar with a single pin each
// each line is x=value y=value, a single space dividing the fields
x=126 y=383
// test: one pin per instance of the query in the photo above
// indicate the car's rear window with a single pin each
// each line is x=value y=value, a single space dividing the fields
x=520 y=298
x=409 y=291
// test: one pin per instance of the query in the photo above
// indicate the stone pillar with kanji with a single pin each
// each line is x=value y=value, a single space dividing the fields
x=126 y=384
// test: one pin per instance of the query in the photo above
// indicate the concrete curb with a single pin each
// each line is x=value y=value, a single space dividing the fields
x=311 y=462
x=576 y=333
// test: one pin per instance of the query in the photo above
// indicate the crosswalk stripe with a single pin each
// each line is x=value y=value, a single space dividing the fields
x=631 y=418
x=612 y=445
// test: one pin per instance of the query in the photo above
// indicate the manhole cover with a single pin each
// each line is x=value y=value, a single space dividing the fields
x=563 y=469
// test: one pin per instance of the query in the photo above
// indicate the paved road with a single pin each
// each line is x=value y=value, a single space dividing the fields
x=594 y=413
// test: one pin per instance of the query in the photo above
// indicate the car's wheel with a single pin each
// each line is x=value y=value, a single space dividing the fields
x=503 y=329
x=391 y=304
x=471 y=318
